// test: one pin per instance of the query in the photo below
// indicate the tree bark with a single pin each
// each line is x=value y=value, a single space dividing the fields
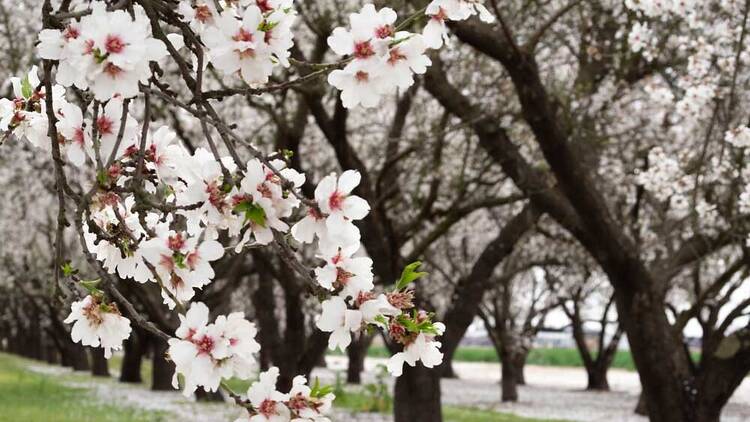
x=520 y=364
x=641 y=408
x=509 y=375
x=162 y=369
x=597 y=378
x=78 y=357
x=135 y=347
x=99 y=364
x=417 y=395
x=357 y=352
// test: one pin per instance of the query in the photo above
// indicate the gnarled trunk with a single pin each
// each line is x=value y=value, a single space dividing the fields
x=417 y=395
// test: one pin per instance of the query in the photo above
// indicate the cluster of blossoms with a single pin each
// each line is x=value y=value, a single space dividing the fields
x=25 y=115
x=300 y=404
x=247 y=37
x=204 y=353
x=383 y=59
x=98 y=324
x=354 y=306
x=108 y=52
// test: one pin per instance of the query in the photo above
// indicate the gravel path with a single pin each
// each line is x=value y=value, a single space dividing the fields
x=550 y=393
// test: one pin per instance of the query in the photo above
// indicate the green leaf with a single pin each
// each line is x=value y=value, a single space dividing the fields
x=67 y=269
x=409 y=274
x=26 y=89
x=253 y=212
x=102 y=177
x=90 y=285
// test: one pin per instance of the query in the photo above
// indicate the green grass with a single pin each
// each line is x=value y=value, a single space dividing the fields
x=542 y=357
x=31 y=397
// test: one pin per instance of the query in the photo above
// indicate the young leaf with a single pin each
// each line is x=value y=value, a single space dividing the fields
x=409 y=274
x=90 y=285
x=26 y=89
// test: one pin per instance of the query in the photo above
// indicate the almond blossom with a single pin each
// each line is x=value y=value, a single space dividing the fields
x=204 y=353
x=109 y=51
x=334 y=198
x=98 y=324
x=346 y=274
x=268 y=403
x=239 y=46
x=422 y=348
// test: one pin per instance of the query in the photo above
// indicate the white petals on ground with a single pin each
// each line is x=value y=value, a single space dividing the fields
x=98 y=324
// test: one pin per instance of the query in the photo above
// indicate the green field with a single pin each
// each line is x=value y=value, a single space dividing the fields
x=542 y=357
x=30 y=397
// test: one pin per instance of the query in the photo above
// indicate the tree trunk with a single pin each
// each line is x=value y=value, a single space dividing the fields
x=99 y=364
x=641 y=408
x=356 y=352
x=509 y=379
x=597 y=378
x=162 y=369
x=520 y=364
x=417 y=395
x=446 y=370
x=134 y=348
x=79 y=360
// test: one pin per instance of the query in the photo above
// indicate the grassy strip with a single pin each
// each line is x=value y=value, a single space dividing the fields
x=29 y=396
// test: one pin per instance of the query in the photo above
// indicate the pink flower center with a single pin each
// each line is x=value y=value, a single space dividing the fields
x=167 y=262
x=205 y=345
x=104 y=124
x=264 y=6
x=315 y=213
x=203 y=13
x=336 y=201
x=362 y=76
x=71 y=33
x=216 y=196
x=78 y=136
x=363 y=50
x=192 y=260
x=243 y=35
x=175 y=242
x=265 y=190
x=343 y=276
x=384 y=31
x=114 y=44
x=441 y=15
x=394 y=56
x=112 y=70
x=267 y=408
